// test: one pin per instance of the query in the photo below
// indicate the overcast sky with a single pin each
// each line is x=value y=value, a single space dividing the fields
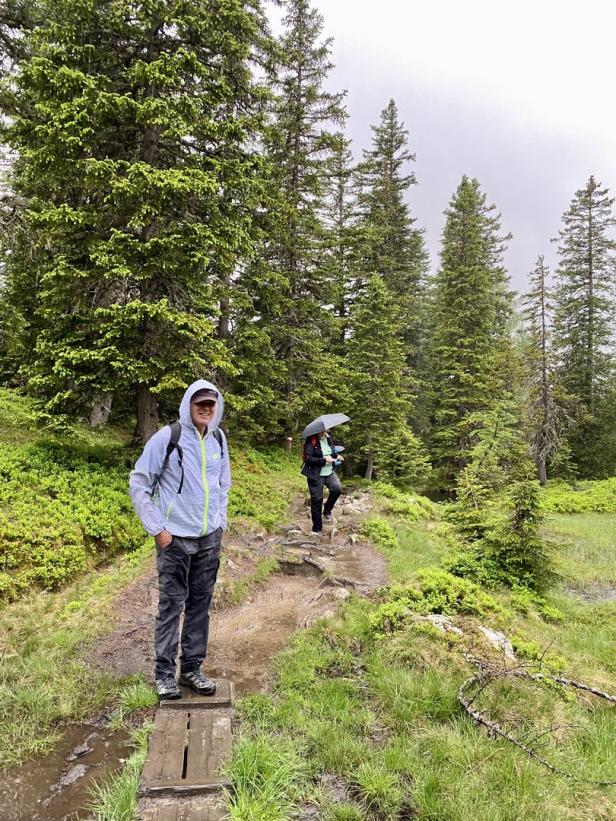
x=519 y=95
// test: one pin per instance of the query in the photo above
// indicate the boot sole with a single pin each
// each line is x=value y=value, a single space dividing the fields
x=169 y=697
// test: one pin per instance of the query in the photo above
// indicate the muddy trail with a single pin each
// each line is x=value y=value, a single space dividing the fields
x=313 y=577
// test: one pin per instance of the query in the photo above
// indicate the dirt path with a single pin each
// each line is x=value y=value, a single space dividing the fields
x=314 y=577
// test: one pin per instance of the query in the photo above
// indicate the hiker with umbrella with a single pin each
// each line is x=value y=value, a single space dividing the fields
x=320 y=456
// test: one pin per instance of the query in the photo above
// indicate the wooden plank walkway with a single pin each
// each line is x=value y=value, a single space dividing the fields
x=190 y=743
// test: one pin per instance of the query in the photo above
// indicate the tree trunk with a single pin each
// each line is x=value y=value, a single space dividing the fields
x=101 y=408
x=225 y=309
x=543 y=474
x=147 y=415
x=369 y=466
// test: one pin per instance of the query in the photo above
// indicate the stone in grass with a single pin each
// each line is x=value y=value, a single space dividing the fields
x=499 y=640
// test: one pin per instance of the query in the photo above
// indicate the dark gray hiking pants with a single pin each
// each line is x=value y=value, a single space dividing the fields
x=315 y=486
x=187 y=571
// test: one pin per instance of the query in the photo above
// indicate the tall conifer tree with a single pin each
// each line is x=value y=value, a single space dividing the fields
x=470 y=328
x=545 y=416
x=340 y=216
x=389 y=243
x=381 y=397
x=584 y=318
x=134 y=124
x=293 y=314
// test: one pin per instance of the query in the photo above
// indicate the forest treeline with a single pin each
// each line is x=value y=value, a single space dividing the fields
x=182 y=200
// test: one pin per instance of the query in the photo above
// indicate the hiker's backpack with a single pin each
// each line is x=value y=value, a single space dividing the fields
x=313 y=441
x=174 y=444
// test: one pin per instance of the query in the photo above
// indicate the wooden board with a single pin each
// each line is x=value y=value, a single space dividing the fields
x=186 y=751
x=223 y=697
x=190 y=809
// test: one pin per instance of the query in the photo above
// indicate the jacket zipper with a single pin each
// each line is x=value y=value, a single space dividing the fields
x=204 y=479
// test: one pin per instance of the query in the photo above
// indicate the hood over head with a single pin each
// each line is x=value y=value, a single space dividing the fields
x=199 y=385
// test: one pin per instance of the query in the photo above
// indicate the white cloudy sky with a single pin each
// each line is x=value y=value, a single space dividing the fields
x=519 y=95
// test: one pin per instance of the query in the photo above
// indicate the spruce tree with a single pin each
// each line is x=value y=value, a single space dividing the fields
x=389 y=243
x=470 y=318
x=545 y=412
x=381 y=398
x=584 y=319
x=135 y=125
x=292 y=295
x=339 y=217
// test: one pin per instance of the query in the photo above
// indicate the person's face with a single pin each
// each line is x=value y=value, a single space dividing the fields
x=202 y=411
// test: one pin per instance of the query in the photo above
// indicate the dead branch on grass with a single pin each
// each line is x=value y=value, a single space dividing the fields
x=490 y=673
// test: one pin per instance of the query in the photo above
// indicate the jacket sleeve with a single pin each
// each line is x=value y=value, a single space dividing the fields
x=312 y=456
x=143 y=481
x=225 y=482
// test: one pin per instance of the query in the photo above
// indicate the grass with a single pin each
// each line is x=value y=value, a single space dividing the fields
x=116 y=798
x=42 y=679
x=235 y=591
x=589 y=554
x=268 y=775
x=376 y=712
x=132 y=697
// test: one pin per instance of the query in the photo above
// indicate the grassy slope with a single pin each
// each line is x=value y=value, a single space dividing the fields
x=377 y=717
x=44 y=632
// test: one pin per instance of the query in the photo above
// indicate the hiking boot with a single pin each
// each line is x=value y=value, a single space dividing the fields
x=167 y=688
x=328 y=517
x=316 y=534
x=198 y=683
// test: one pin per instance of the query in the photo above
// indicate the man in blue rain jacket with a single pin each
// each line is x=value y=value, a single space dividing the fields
x=183 y=504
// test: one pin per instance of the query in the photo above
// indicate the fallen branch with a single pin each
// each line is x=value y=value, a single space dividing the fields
x=488 y=674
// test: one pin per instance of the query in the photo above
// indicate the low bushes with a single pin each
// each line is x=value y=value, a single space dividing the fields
x=434 y=591
x=598 y=497
x=378 y=530
x=263 y=484
x=397 y=502
x=63 y=508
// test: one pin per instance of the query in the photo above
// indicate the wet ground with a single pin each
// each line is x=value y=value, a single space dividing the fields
x=315 y=577
x=57 y=787
x=594 y=593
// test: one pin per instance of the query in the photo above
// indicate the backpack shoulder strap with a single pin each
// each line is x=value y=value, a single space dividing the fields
x=174 y=444
x=218 y=436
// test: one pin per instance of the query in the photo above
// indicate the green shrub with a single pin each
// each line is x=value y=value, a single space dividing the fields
x=532 y=650
x=409 y=505
x=511 y=549
x=434 y=591
x=263 y=484
x=524 y=601
x=516 y=550
x=378 y=530
x=63 y=508
x=470 y=514
x=598 y=497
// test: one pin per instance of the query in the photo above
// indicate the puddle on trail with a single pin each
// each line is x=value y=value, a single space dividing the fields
x=57 y=787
